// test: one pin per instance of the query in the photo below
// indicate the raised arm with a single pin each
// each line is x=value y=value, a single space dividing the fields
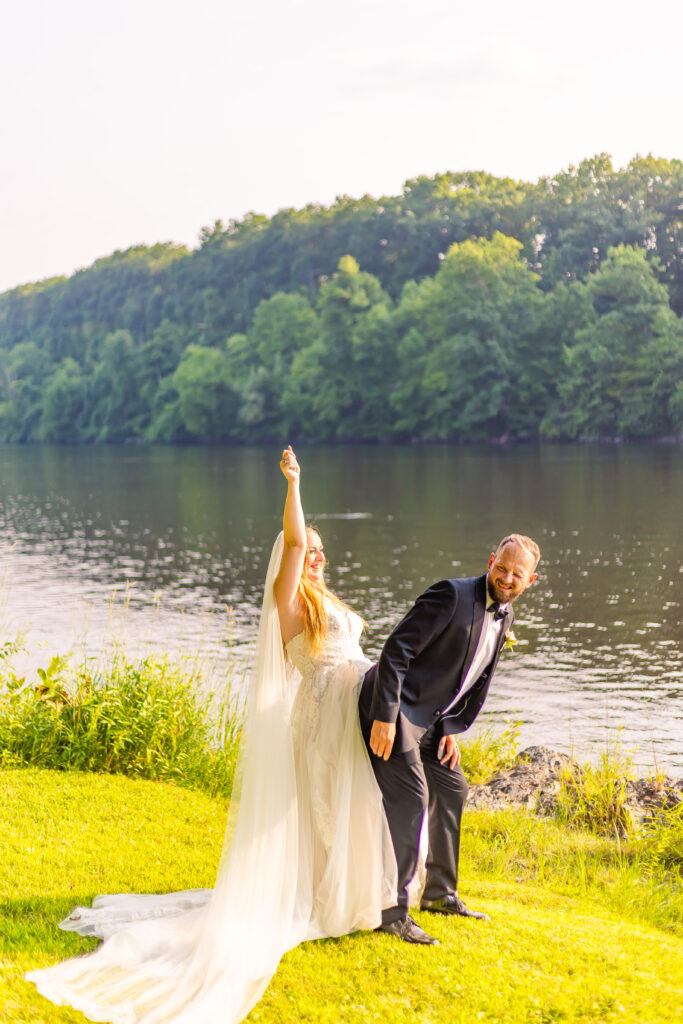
x=286 y=584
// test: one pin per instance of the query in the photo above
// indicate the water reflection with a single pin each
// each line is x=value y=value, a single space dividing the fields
x=184 y=535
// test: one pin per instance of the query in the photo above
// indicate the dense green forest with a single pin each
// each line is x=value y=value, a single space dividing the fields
x=468 y=307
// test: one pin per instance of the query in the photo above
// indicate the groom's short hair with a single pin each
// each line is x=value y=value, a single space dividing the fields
x=525 y=542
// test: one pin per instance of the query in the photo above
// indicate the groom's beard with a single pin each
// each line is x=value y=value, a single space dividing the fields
x=503 y=596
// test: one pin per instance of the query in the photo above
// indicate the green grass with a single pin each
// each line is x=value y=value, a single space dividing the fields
x=148 y=719
x=572 y=936
x=488 y=751
x=635 y=878
x=594 y=796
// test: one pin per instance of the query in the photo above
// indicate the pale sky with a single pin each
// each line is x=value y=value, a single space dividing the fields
x=143 y=120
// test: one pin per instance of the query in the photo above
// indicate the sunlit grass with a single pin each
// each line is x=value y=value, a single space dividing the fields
x=489 y=751
x=594 y=796
x=67 y=836
x=629 y=876
x=587 y=918
x=559 y=947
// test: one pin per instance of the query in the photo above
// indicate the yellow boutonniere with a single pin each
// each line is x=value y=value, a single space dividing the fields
x=510 y=640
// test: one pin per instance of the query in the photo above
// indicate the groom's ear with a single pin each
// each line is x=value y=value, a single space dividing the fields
x=491 y=557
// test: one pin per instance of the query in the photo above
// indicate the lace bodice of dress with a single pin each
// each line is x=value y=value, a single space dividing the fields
x=342 y=646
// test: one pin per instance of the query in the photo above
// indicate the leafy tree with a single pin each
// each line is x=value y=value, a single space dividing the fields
x=566 y=310
x=576 y=220
x=654 y=187
x=64 y=403
x=445 y=332
x=622 y=372
x=262 y=363
x=157 y=359
x=22 y=373
x=338 y=394
x=281 y=327
x=462 y=333
x=166 y=420
x=207 y=402
x=375 y=369
x=115 y=401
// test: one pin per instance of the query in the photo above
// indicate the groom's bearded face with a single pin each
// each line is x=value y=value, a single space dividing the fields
x=511 y=571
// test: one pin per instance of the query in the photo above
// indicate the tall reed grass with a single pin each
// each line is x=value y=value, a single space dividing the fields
x=150 y=719
x=661 y=842
x=489 y=751
x=594 y=796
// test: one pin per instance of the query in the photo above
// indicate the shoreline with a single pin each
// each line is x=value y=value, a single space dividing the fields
x=534 y=783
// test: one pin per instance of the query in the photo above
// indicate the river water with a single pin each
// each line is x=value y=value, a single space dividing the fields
x=165 y=548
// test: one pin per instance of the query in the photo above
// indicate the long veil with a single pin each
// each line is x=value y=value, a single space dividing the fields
x=208 y=955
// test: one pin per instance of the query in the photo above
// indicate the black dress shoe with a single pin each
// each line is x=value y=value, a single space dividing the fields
x=408 y=930
x=452 y=904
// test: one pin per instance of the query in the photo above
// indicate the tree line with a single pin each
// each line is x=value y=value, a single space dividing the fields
x=468 y=307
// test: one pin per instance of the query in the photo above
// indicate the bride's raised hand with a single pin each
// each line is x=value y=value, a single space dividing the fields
x=289 y=465
x=286 y=585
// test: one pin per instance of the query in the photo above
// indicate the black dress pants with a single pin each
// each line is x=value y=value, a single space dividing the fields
x=412 y=783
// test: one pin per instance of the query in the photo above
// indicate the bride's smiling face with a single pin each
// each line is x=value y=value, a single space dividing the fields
x=314 y=565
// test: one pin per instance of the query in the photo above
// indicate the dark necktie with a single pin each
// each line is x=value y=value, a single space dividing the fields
x=495 y=610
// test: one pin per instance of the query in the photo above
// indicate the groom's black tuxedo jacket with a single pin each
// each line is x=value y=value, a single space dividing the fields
x=424 y=663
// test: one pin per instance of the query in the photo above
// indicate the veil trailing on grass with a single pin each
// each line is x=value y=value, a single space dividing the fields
x=208 y=955
x=205 y=955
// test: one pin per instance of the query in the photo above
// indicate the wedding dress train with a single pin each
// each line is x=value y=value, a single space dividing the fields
x=307 y=852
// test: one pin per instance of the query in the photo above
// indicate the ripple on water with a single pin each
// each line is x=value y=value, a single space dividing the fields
x=599 y=635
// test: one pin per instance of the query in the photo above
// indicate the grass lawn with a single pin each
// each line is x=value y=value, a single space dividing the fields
x=557 y=948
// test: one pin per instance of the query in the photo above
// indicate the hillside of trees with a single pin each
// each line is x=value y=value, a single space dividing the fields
x=469 y=307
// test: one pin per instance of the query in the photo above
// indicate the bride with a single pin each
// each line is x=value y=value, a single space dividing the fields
x=307 y=852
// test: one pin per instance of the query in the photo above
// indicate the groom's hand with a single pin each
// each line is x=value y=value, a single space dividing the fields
x=449 y=751
x=382 y=738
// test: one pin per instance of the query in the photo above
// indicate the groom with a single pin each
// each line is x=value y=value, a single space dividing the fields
x=430 y=683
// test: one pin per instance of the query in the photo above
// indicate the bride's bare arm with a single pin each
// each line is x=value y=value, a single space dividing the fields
x=286 y=584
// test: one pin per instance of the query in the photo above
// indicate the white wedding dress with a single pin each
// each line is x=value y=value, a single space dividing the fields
x=307 y=852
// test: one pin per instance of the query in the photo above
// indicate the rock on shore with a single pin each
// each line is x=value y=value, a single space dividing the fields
x=533 y=783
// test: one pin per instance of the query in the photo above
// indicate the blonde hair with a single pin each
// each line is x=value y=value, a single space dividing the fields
x=525 y=542
x=315 y=615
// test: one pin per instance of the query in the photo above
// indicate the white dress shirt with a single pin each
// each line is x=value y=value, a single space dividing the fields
x=488 y=641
